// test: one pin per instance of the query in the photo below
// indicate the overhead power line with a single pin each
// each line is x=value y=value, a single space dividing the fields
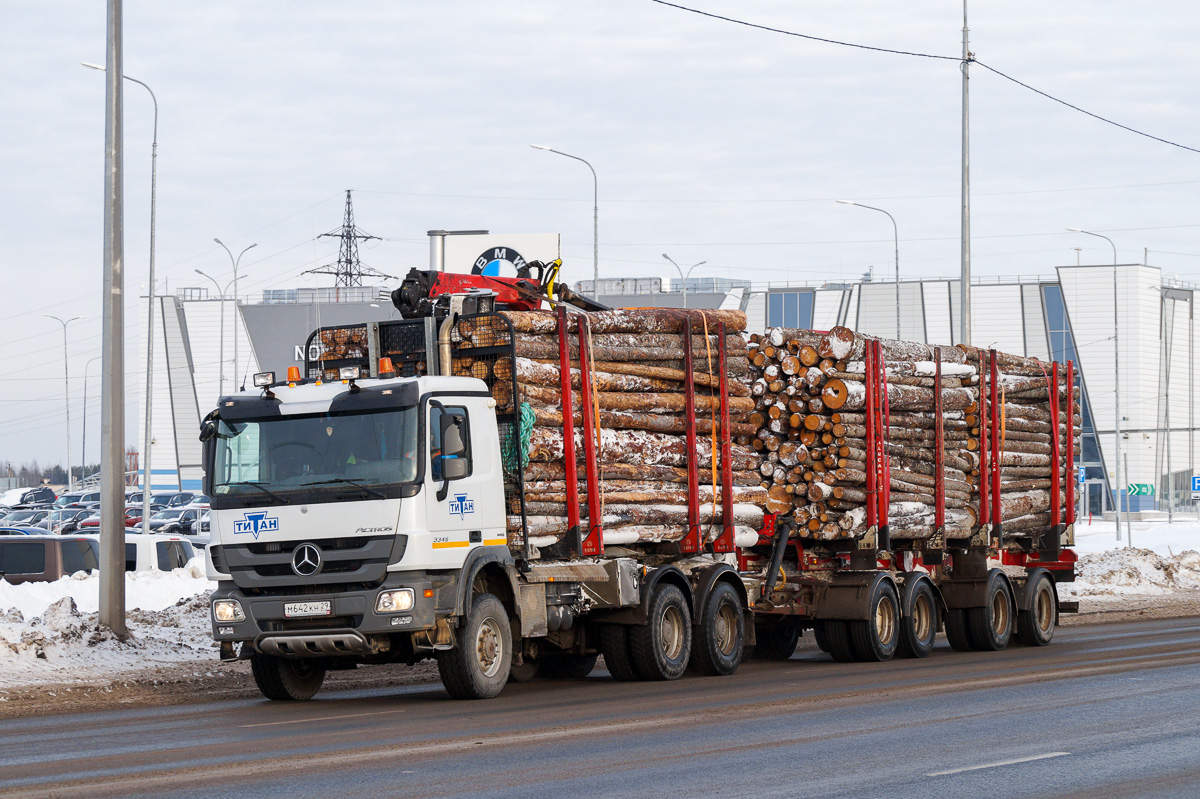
x=991 y=69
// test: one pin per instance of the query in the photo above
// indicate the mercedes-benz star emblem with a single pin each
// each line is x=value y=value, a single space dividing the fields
x=306 y=560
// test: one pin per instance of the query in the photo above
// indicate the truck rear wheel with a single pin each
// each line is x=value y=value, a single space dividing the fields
x=568 y=666
x=837 y=635
x=956 y=630
x=282 y=679
x=719 y=639
x=876 y=638
x=660 y=648
x=918 y=629
x=478 y=665
x=1035 y=627
x=614 y=645
x=990 y=627
x=776 y=643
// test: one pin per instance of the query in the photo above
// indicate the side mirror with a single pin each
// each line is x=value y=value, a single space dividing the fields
x=454 y=449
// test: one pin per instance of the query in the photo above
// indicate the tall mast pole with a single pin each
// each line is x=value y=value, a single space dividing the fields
x=965 y=278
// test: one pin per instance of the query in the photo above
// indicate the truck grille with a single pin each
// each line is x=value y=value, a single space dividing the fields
x=265 y=567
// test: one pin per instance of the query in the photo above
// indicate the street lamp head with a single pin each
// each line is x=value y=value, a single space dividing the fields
x=664 y=255
x=92 y=66
x=846 y=202
x=539 y=147
x=1075 y=229
x=218 y=241
x=251 y=247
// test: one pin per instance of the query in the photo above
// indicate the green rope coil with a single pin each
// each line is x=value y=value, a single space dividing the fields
x=516 y=449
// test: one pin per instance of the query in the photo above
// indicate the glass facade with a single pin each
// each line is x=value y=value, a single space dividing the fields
x=1062 y=349
x=790 y=309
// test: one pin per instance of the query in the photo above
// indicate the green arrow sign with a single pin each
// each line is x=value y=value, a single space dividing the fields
x=1140 y=489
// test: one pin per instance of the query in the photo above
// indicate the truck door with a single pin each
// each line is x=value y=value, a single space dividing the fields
x=456 y=520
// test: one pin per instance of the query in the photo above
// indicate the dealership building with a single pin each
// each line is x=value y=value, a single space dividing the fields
x=1066 y=315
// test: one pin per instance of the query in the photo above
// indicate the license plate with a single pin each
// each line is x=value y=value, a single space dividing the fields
x=294 y=610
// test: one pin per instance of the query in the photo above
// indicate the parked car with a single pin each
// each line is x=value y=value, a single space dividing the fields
x=45 y=558
x=181 y=498
x=20 y=530
x=150 y=552
x=198 y=501
x=67 y=498
x=133 y=515
x=199 y=534
x=24 y=516
x=66 y=520
x=22 y=497
x=173 y=520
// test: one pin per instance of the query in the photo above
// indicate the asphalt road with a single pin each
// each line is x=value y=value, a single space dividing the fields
x=1104 y=711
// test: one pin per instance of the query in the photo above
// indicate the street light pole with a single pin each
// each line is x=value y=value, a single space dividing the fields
x=149 y=304
x=595 y=215
x=1116 y=384
x=235 y=262
x=83 y=457
x=221 y=292
x=896 y=241
x=66 y=390
x=682 y=276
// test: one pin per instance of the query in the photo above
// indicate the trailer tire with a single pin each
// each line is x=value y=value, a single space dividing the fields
x=875 y=639
x=1035 y=627
x=526 y=672
x=283 y=679
x=478 y=666
x=568 y=666
x=990 y=628
x=660 y=648
x=776 y=643
x=821 y=636
x=956 y=630
x=719 y=637
x=837 y=635
x=918 y=629
x=614 y=645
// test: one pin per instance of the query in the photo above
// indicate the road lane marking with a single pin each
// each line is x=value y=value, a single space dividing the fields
x=321 y=718
x=997 y=764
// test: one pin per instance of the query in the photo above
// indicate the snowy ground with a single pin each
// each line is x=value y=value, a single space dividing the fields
x=49 y=632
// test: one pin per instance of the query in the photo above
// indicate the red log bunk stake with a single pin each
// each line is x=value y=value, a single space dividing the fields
x=724 y=542
x=691 y=539
x=985 y=508
x=994 y=474
x=593 y=542
x=1055 y=457
x=872 y=489
x=574 y=536
x=1071 y=477
x=939 y=450
x=884 y=539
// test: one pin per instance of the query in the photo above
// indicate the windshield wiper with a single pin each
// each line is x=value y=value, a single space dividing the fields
x=261 y=488
x=354 y=483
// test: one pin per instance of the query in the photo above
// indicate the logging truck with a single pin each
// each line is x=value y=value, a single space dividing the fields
x=372 y=509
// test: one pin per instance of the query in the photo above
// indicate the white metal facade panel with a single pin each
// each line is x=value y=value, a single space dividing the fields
x=995 y=323
x=827 y=304
x=1036 y=343
x=877 y=309
x=937 y=311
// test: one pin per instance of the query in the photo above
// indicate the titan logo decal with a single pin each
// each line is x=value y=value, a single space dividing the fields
x=460 y=506
x=498 y=262
x=256 y=523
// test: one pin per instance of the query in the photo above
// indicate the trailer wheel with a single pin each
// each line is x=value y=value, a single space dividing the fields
x=614 y=645
x=719 y=639
x=956 y=630
x=876 y=639
x=568 y=666
x=821 y=636
x=478 y=665
x=1035 y=627
x=837 y=635
x=660 y=648
x=918 y=629
x=990 y=627
x=525 y=672
x=776 y=643
x=282 y=679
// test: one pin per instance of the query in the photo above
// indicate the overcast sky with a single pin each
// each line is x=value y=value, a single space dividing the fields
x=712 y=141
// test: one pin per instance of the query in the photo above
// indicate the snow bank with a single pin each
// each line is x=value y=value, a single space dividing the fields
x=1125 y=572
x=49 y=632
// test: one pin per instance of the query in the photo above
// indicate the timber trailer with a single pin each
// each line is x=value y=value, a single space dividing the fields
x=362 y=513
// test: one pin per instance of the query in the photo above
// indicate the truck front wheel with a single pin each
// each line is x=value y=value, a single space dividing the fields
x=281 y=679
x=478 y=666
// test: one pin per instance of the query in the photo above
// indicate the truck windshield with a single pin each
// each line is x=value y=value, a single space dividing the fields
x=318 y=452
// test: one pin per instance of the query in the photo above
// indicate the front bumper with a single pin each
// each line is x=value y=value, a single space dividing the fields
x=352 y=615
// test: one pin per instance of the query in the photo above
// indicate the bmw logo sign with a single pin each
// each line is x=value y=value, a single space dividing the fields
x=498 y=262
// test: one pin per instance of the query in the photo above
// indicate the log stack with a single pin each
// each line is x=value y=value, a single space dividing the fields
x=637 y=377
x=812 y=417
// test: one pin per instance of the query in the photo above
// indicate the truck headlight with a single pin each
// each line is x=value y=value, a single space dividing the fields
x=228 y=610
x=395 y=601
